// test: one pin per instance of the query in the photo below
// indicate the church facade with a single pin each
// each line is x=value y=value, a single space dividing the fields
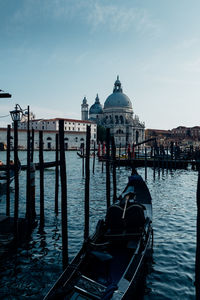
x=116 y=114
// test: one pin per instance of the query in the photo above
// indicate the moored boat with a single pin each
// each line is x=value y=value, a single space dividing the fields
x=110 y=263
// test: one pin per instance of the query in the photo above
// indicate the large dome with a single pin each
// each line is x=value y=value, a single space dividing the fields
x=96 y=108
x=117 y=98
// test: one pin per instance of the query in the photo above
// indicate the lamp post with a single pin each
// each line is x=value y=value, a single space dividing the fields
x=16 y=116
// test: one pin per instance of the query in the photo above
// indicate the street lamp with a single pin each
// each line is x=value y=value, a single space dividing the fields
x=17 y=113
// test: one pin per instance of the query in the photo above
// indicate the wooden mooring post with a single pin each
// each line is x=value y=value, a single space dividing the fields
x=83 y=167
x=87 y=183
x=63 y=177
x=108 y=166
x=32 y=192
x=93 y=159
x=32 y=144
x=57 y=175
x=28 y=185
x=41 y=162
x=16 y=171
x=114 y=169
x=8 y=173
x=197 y=264
x=145 y=163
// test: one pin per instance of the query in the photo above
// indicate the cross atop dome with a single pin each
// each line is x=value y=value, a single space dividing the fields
x=97 y=99
x=117 y=86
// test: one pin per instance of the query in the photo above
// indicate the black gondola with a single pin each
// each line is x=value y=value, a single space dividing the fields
x=110 y=263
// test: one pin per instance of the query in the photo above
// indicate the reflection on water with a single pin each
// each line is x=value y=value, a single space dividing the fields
x=35 y=266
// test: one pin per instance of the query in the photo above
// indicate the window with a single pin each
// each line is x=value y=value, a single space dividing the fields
x=66 y=139
x=73 y=128
x=43 y=127
x=65 y=128
x=78 y=129
x=121 y=119
x=78 y=123
x=119 y=131
x=76 y=139
x=49 y=138
x=69 y=128
x=81 y=139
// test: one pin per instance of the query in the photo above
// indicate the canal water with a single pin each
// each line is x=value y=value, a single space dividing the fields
x=29 y=272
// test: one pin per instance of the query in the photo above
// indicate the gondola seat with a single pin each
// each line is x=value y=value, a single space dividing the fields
x=114 y=222
x=134 y=218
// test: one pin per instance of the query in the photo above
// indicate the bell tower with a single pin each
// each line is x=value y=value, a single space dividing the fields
x=84 y=110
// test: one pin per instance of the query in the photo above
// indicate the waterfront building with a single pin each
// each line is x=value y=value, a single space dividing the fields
x=73 y=140
x=74 y=131
x=187 y=132
x=117 y=114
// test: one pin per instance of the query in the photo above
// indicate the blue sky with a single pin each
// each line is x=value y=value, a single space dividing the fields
x=55 y=52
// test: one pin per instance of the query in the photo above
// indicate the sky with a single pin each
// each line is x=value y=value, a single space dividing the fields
x=55 y=52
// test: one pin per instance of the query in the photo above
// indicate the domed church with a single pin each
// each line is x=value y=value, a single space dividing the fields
x=117 y=114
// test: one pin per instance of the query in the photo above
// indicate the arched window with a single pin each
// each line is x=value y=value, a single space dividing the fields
x=116 y=120
x=82 y=139
x=137 y=137
x=49 y=138
x=66 y=139
x=121 y=119
x=119 y=131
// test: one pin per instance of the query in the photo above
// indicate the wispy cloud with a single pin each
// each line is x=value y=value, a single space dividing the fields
x=120 y=18
x=95 y=13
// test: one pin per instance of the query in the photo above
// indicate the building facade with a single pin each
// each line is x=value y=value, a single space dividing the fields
x=74 y=131
x=117 y=114
x=72 y=140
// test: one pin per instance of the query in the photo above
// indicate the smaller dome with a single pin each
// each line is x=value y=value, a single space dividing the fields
x=96 y=108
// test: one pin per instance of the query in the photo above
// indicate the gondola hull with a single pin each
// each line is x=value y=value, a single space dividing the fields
x=110 y=263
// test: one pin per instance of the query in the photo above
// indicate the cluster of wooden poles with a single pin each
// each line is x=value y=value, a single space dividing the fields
x=60 y=162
